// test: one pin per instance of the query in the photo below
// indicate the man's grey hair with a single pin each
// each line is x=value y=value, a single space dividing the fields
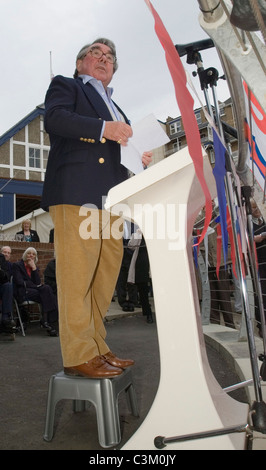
x=107 y=42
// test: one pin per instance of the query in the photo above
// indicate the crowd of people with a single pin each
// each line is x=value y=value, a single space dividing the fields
x=22 y=280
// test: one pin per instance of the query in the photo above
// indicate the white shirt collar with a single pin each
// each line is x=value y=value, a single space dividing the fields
x=97 y=83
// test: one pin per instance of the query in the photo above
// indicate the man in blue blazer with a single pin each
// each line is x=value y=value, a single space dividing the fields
x=86 y=129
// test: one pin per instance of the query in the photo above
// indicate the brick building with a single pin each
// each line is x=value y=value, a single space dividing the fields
x=23 y=157
x=175 y=131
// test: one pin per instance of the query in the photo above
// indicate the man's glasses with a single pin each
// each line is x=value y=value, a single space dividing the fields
x=98 y=53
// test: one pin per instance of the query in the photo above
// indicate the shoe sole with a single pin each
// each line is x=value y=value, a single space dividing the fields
x=74 y=373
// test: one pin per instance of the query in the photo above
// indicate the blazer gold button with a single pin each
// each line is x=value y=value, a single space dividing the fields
x=103 y=140
x=101 y=160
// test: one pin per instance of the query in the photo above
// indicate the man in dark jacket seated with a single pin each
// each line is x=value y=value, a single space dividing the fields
x=28 y=286
x=50 y=276
x=6 y=296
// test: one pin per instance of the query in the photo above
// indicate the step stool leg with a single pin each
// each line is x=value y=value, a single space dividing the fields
x=79 y=405
x=108 y=416
x=132 y=400
x=50 y=411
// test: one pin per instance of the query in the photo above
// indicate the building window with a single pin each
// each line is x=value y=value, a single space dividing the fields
x=177 y=145
x=212 y=156
x=221 y=109
x=34 y=158
x=175 y=127
x=45 y=158
x=203 y=137
x=198 y=117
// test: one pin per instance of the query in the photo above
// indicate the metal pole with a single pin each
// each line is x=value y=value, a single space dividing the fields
x=246 y=191
x=229 y=191
x=259 y=407
x=160 y=441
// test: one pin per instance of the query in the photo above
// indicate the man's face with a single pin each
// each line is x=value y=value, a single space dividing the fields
x=100 y=69
x=256 y=213
x=7 y=253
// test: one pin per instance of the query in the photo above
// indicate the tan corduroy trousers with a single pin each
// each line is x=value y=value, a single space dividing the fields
x=88 y=250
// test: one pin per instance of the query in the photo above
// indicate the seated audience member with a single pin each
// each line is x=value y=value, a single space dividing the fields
x=50 y=275
x=27 y=234
x=139 y=272
x=127 y=294
x=6 y=251
x=28 y=286
x=51 y=236
x=6 y=291
x=259 y=229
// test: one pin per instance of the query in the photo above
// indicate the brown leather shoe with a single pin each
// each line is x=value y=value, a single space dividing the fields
x=94 y=369
x=116 y=362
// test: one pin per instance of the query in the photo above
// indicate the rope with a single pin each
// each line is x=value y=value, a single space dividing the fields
x=258 y=17
x=210 y=11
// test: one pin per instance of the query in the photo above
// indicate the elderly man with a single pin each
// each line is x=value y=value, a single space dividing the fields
x=6 y=290
x=6 y=251
x=86 y=130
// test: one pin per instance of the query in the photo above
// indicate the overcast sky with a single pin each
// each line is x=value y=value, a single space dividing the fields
x=30 y=29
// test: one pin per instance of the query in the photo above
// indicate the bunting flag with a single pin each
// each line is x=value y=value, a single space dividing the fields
x=195 y=252
x=218 y=249
x=219 y=172
x=196 y=248
x=185 y=103
x=256 y=136
x=232 y=242
x=234 y=248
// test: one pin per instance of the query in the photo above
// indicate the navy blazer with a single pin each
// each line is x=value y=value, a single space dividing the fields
x=81 y=169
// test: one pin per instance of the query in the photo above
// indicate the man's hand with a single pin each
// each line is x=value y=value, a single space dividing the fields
x=118 y=131
x=146 y=158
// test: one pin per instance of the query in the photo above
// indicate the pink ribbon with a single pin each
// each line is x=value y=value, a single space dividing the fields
x=185 y=103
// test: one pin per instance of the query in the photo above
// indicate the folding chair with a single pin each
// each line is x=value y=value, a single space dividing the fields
x=25 y=303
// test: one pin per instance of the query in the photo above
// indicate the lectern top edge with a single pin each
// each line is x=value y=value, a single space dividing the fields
x=152 y=175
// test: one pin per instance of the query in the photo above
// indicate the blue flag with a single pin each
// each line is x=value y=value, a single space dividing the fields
x=219 y=173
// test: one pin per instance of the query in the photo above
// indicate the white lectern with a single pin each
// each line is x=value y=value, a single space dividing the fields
x=164 y=202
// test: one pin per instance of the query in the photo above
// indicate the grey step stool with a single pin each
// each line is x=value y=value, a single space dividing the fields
x=102 y=393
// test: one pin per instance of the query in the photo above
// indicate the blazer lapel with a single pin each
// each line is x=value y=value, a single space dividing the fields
x=96 y=101
x=123 y=114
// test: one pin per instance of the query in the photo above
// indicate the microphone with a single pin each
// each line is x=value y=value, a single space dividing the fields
x=192 y=48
